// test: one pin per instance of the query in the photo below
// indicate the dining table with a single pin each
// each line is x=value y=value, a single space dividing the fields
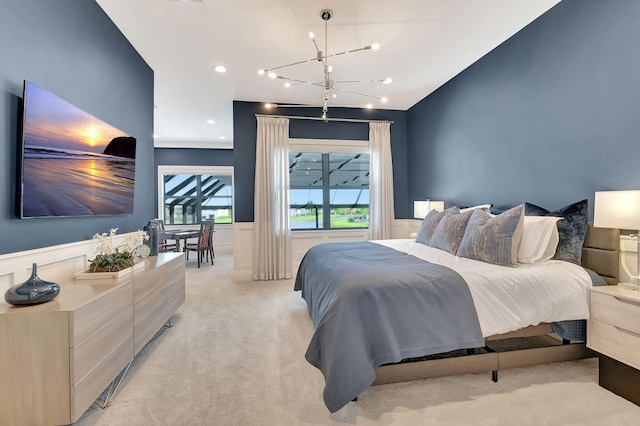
x=179 y=235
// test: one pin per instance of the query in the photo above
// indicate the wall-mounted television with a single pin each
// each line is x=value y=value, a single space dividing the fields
x=71 y=163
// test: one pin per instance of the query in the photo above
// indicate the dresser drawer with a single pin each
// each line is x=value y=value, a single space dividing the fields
x=150 y=282
x=614 y=341
x=92 y=351
x=94 y=315
x=93 y=384
x=615 y=310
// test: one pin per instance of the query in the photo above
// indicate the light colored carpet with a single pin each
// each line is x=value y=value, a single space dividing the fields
x=235 y=356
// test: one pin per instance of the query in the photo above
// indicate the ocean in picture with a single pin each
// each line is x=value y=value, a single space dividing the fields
x=65 y=182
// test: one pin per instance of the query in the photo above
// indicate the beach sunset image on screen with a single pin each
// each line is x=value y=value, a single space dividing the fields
x=73 y=164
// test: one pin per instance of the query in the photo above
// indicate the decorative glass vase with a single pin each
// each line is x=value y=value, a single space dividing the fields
x=33 y=291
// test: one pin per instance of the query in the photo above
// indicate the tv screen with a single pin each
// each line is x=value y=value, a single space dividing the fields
x=72 y=163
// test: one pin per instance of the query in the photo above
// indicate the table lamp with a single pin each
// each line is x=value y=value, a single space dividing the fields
x=421 y=208
x=619 y=209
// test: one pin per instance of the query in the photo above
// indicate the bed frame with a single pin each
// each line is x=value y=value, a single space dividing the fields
x=533 y=345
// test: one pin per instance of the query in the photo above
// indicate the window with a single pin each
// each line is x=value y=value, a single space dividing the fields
x=334 y=182
x=190 y=196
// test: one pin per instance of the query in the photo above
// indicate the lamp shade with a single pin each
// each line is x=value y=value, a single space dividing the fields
x=617 y=209
x=421 y=208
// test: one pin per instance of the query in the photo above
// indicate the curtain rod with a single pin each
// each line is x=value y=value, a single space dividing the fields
x=350 y=120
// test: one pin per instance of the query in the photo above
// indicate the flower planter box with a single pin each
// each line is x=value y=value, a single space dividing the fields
x=88 y=275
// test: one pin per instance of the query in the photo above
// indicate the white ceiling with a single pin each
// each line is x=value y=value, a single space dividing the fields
x=424 y=43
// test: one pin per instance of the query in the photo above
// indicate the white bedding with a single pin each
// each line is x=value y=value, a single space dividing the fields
x=509 y=298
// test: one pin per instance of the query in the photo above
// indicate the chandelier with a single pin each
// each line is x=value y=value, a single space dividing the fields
x=328 y=84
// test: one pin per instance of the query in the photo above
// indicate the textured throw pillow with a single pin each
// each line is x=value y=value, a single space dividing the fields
x=572 y=228
x=539 y=239
x=493 y=239
x=450 y=230
x=429 y=223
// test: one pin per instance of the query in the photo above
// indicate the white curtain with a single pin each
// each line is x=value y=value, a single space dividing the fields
x=381 y=212
x=272 y=234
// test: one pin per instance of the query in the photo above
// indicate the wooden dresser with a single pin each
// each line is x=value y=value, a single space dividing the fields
x=58 y=357
x=614 y=332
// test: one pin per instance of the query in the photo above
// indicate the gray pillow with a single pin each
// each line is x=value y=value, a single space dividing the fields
x=450 y=230
x=493 y=239
x=429 y=223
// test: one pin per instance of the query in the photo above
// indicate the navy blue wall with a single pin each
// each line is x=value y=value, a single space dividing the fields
x=193 y=157
x=72 y=49
x=548 y=117
x=244 y=146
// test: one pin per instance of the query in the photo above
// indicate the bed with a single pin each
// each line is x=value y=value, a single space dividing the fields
x=397 y=310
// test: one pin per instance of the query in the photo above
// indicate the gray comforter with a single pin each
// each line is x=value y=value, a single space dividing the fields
x=372 y=305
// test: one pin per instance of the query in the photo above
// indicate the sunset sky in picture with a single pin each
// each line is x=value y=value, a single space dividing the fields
x=52 y=122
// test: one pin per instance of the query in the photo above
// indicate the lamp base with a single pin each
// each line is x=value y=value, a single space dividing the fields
x=634 y=284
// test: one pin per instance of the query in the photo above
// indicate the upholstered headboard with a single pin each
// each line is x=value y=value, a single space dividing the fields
x=601 y=253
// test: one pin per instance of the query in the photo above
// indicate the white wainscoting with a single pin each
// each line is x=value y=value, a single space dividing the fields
x=301 y=241
x=55 y=263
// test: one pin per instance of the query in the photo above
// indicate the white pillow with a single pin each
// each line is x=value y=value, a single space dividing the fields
x=480 y=206
x=539 y=239
x=552 y=246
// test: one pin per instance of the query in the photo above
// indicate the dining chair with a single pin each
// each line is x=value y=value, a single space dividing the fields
x=163 y=244
x=204 y=246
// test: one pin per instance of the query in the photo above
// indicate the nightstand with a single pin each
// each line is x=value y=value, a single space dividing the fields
x=614 y=332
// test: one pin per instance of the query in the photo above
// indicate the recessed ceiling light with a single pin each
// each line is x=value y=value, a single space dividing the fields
x=211 y=121
x=220 y=68
x=222 y=138
x=156 y=136
x=387 y=80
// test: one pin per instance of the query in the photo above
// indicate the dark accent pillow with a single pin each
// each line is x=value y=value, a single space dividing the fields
x=572 y=228
x=450 y=230
x=533 y=210
x=498 y=210
x=429 y=223
x=493 y=239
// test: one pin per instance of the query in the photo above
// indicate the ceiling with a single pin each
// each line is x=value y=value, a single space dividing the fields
x=424 y=43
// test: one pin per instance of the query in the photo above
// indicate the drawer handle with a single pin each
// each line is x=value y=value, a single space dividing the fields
x=630 y=302
x=631 y=333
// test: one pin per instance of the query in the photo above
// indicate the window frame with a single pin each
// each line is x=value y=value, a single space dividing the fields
x=193 y=170
x=328 y=146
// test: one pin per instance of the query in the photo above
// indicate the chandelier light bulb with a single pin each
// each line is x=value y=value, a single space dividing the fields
x=387 y=80
x=329 y=84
